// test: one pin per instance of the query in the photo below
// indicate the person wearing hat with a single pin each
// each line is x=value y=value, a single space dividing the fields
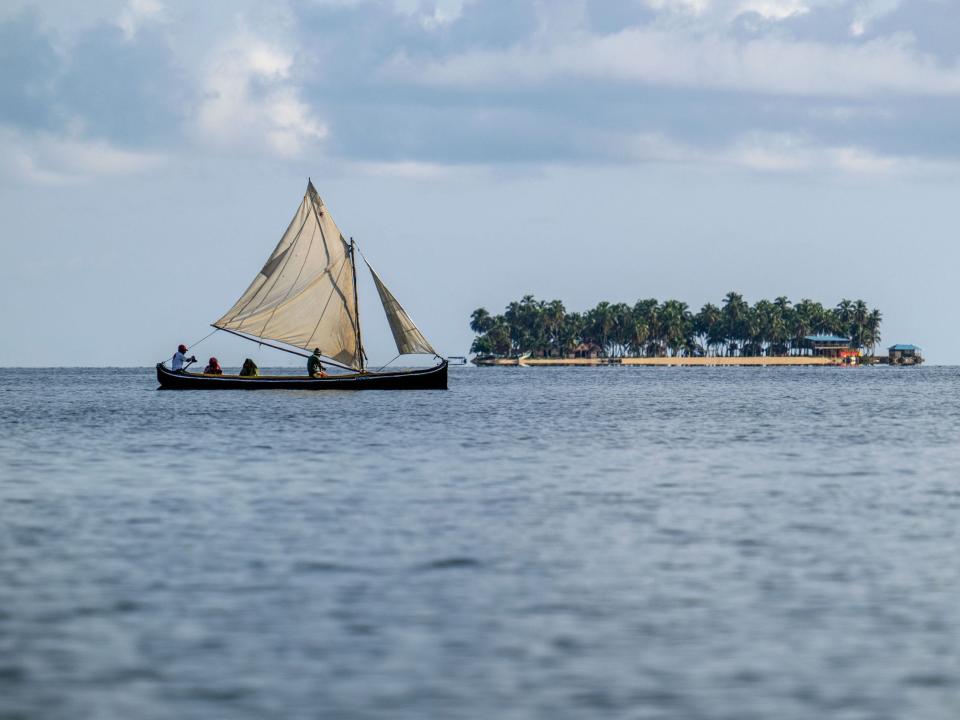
x=180 y=358
x=314 y=366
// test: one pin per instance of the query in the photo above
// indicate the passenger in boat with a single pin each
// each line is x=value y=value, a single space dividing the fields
x=249 y=369
x=314 y=366
x=213 y=367
x=180 y=359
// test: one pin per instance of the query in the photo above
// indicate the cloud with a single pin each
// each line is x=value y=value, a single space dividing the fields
x=867 y=11
x=787 y=153
x=412 y=170
x=654 y=57
x=726 y=10
x=249 y=98
x=138 y=13
x=48 y=159
x=409 y=87
x=781 y=153
x=431 y=15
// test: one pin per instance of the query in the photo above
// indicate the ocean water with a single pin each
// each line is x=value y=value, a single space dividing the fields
x=533 y=543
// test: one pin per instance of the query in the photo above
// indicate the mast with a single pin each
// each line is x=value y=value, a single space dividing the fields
x=356 y=303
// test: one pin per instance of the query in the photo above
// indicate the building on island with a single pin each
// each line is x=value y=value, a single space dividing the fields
x=833 y=346
x=905 y=355
x=587 y=350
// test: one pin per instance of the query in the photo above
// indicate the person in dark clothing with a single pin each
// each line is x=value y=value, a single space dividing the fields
x=314 y=366
x=249 y=369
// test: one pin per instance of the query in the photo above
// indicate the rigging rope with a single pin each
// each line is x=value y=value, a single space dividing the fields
x=381 y=368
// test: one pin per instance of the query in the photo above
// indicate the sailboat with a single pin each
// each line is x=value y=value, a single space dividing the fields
x=305 y=297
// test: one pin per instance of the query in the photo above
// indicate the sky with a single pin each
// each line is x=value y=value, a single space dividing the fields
x=153 y=152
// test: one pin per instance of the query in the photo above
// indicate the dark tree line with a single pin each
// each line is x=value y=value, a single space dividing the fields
x=657 y=329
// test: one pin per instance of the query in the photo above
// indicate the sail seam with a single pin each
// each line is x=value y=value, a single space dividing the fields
x=320 y=277
x=276 y=276
x=327 y=304
x=355 y=315
x=306 y=256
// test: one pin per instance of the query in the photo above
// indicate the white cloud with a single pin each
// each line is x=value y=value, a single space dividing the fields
x=779 y=153
x=693 y=7
x=793 y=153
x=432 y=14
x=411 y=169
x=46 y=159
x=138 y=13
x=866 y=11
x=250 y=99
x=774 y=9
x=768 y=65
x=773 y=152
x=723 y=11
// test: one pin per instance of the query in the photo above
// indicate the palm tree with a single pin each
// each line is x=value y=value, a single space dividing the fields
x=553 y=315
x=599 y=325
x=622 y=331
x=708 y=325
x=481 y=321
x=734 y=315
x=499 y=337
x=802 y=324
x=640 y=333
x=873 y=330
x=676 y=325
x=570 y=332
x=761 y=325
x=645 y=313
x=845 y=314
x=781 y=325
x=858 y=324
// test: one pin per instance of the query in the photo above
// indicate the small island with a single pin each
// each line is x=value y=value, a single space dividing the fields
x=650 y=332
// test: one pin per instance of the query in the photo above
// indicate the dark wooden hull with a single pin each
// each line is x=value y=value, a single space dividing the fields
x=434 y=378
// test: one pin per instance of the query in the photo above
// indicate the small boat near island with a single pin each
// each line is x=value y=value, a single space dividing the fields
x=305 y=297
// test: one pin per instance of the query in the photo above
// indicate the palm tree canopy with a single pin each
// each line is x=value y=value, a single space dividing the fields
x=650 y=327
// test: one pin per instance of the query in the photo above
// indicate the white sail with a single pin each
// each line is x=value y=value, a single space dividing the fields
x=406 y=334
x=304 y=295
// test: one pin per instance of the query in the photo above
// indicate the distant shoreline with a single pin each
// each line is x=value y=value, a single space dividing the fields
x=653 y=330
x=658 y=361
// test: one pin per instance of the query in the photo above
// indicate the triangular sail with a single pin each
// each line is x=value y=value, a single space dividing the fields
x=304 y=294
x=406 y=334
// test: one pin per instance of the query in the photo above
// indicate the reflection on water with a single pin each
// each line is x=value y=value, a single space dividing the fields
x=549 y=543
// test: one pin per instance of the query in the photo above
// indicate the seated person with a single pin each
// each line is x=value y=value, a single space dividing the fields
x=249 y=369
x=314 y=366
x=180 y=359
x=213 y=367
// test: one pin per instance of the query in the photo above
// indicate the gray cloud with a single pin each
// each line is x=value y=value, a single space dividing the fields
x=934 y=23
x=28 y=71
x=528 y=82
x=127 y=91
